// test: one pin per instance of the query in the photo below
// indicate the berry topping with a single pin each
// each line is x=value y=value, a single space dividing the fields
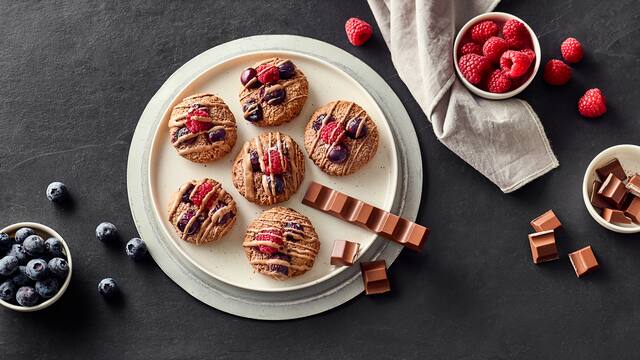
x=255 y=161
x=247 y=75
x=338 y=153
x=358 y=31
x=292 y=227
x=186 y=195
x=271 y=235
x=273 y=94
x=473 y=67
x=201 y=192
x=197 y=119
x=494 y=47
x=516 y=34
x=471 y=48
x=498 y=82
x=108 y=287
x=268 y=73
x=275 y=162
x=136 y=249
x=592 y=104
x=571 y=50
x=23 y=233
x=279 y=269
x=278 y=184
x=180 y=133
x=287 y=70
x=106 y=232
x=482 y=31
x=356 y=128
x=514 y=63
x=184 y=219
x=320 y=120
x=332 y=132
x=58 y=266
x=557 y=72
x=27 y=296
x=226 y=217
x=57 y=192
x=252 y=111
x=217 y=134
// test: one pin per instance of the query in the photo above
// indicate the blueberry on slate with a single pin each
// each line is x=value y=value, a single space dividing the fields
x=338 y=154
x=23 y=233
x=58 y=267
x=57 y=192
x=7 y=291
x=37 y=269
x=47 y=288
x=20 y=277
x=8 y=265
x=5 y=242
x=286 y=70
x=108 y=287
x=53 y=247
x=107 y=232
x=19 y=252
x=27 y=296
x=136 y=249
x=34 y=245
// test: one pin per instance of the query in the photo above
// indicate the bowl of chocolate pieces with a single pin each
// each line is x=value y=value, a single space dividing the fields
x=611 y=188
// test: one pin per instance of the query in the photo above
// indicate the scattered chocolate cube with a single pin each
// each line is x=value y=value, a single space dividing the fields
x=543 y=246
x=612 y=167
x=613 y=191
x=374 y=275
x=583 y=261
x=344 y=252
x=546 y=221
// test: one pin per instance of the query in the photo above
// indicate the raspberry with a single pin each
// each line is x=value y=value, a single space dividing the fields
x=471 y=48
x=358 y=31
x=592 y=104
x=494 y=47
x=482 y=31
x=571 y=50
x=268 y=73
x=332 y=132
x=516 y=34
x=498 y=82
x=473 y=67
x=272 y=235
x=201 y=192
x=556 y=72
x=196 y=126
x=279 y=163
x=530 y=53
x=514 y=63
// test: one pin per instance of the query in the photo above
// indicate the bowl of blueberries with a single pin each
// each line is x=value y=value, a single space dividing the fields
x=35 y=266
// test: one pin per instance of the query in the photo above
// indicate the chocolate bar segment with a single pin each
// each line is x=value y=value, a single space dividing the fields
x=583 y=261
x=633 y=210
x=344 y=252
x=613 y=191
x=546 y=221
x=612 y=167
x=634 y=185
x=543 y=246
x=374 y=276
x=383 y=223
x=597 y=200
x=615 y=216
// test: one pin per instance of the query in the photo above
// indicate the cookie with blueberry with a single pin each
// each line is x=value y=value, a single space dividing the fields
x=201 y=211
x=341 y=138
x=268 y=169
x=202 y=128
x=274 y=92
x=281 y=243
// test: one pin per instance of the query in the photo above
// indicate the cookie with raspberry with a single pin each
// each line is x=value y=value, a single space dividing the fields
x=268 y=169
x=201 y=211
x=274 y=92
x=341 y=138
x=281 y=243
x=202 y=128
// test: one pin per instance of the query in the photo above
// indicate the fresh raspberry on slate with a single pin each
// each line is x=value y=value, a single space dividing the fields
x=268 y=73
x=516 y=34
x=514 y=63
x=272 y=235
x=482 y=31
x=571 y=50
x=279 y=163
x=471 y=48
x=196 y=126
x=332 y=132
x=473 y=67
x=494 y=47
x=200 y=194
x=592 y=104
x=498 y=82
x=358 y=31
x=556 y=72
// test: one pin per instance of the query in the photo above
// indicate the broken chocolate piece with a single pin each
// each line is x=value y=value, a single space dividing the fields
x=374 y=275
x=615 y=216
x=612 y=167
x=634 y=185
x=583 y=261
x=543 y=246
x=344 y=252
x=633 y=210
x=546 y=221
x=597 y=200
x=613 y=191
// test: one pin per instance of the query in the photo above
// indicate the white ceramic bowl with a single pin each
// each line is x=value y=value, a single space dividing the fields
x=501 y=17
x=629 y=156
x=45 y=232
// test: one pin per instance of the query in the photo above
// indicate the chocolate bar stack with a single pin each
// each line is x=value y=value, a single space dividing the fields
x=615 y=195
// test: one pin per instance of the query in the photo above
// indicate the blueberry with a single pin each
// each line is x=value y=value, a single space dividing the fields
x=107 y=232
x=7 y=291
x=37 y=269
x=338 y=154
x=293 y=225
x=354 y=130
x=34 y=245
x=19 y=252
x=20 y=277
x=27 y=296
x=287 y=70
x=57 y=192
x=247 y=75
x=5 y=242
x=180 y=133
x=53 y=247
x=108 y=287
x=252 y=111
x=273 y=95
x=47 y=288
x=8 y=265
x=196 y=225
x=184 y=219
x=320 y=120
x=217 y=134
x=278 y=183
x=255 y=161
x=279 y=268
x=23 y=233
x=58 y=267
x=226 y=217
x=136 y=249
x=281 y=256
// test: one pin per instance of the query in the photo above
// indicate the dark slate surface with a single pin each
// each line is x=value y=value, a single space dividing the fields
x=75 y=77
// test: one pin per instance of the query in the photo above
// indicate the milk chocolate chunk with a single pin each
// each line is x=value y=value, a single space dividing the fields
x=583 y=261
x=633 y=210
x=597 y=200
x=612 y=167
x=634 y=185
x=615 y=216
x=613 y=191
x=374 y=275
x=546 y=221
x=344 y=252
x=543 y=246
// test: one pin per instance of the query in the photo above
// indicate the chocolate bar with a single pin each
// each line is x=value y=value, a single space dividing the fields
x=634 y=185
x=546 y=221
x=597 y=200
x=344 y=252
x=613 y=191
x=615 y=216
x=374 y=275
x=383 y=223
x=633 y=210
x=543 y=246
x=583 y=261
x=612 y=167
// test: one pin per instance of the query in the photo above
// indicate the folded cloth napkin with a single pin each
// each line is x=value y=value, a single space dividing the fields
x=504 y=140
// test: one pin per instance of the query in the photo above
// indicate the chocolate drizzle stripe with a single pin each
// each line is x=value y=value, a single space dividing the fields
x=288 y=265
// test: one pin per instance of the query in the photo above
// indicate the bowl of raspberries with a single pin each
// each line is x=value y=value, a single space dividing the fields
x=35 y=266
x=496 y=55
